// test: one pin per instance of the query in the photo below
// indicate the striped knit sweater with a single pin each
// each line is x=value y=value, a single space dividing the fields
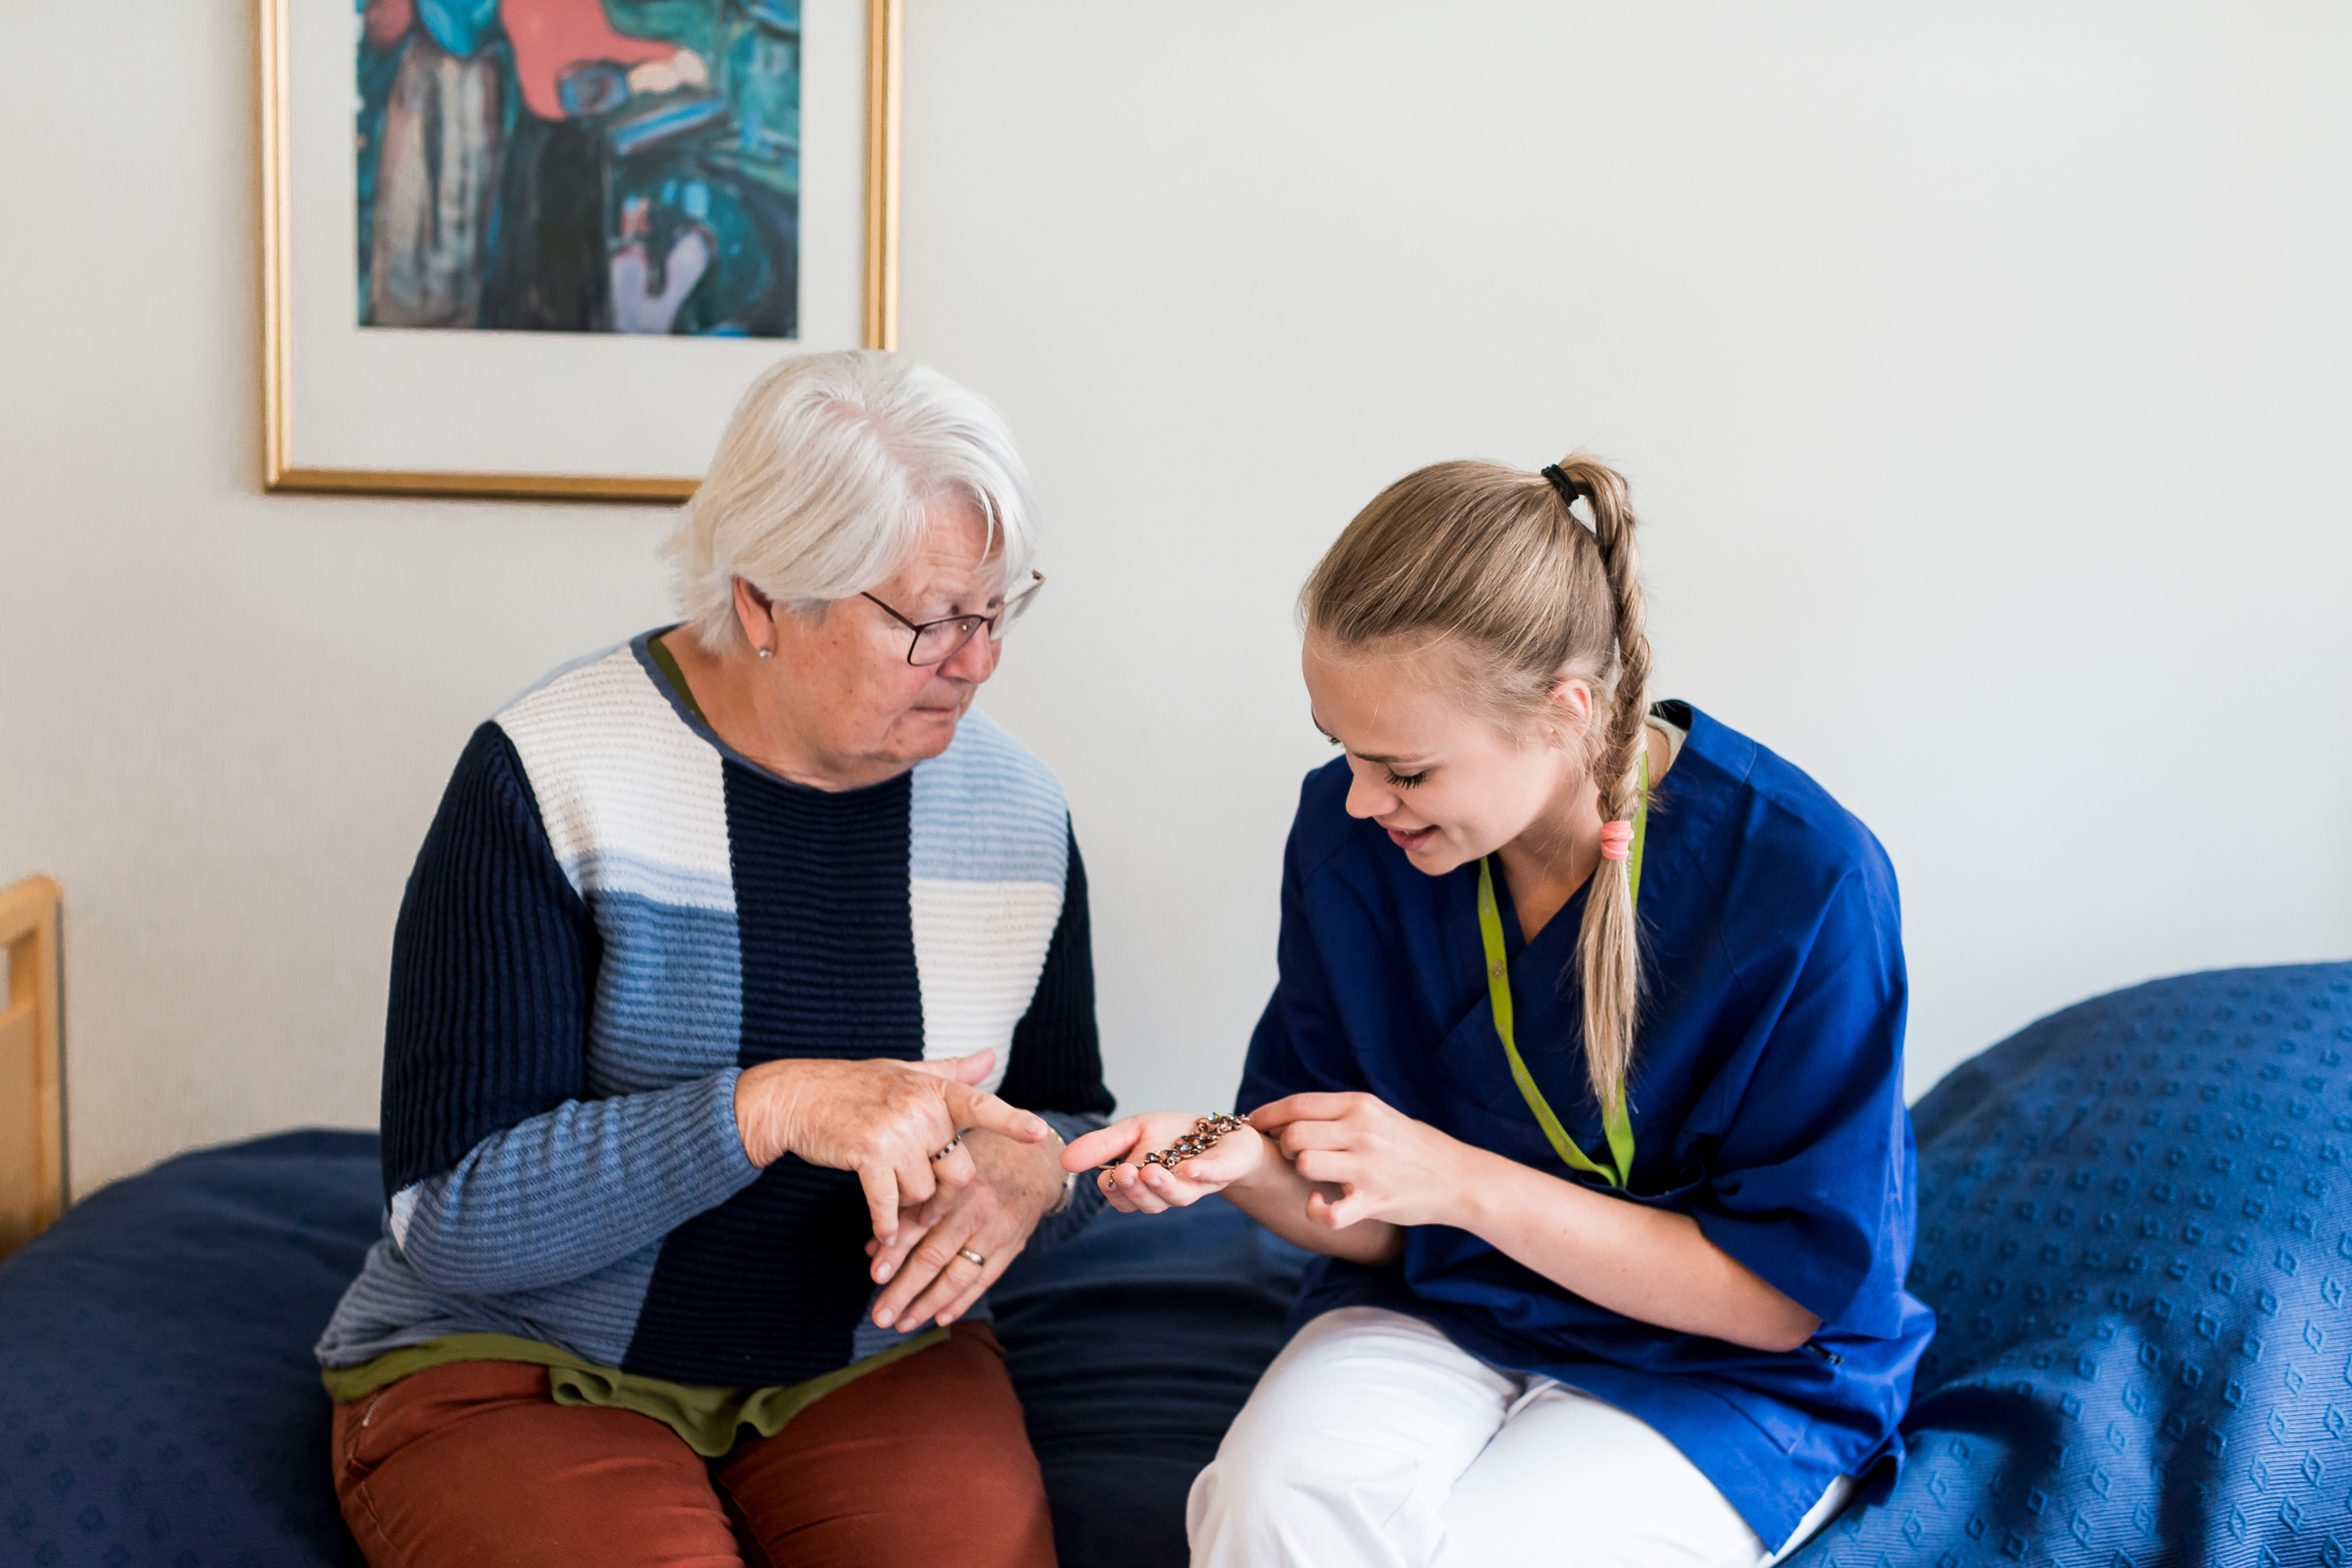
x=612 y=915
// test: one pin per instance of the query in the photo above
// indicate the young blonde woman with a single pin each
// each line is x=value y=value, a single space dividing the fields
x=1584 y=1073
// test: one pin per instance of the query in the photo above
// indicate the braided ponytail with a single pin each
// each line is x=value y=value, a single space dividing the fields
x=1608 y=947
x=1494 y=562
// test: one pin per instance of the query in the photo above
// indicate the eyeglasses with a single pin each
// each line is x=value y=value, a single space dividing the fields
x=936 y=642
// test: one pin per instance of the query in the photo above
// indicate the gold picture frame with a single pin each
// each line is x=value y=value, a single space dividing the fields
x=281 y=473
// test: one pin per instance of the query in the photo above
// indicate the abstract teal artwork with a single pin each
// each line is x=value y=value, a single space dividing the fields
x=580 y=165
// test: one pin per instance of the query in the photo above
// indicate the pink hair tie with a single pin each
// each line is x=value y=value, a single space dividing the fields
x=1616 y=839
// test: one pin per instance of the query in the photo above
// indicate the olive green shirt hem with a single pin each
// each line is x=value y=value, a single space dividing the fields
x=710 y=1420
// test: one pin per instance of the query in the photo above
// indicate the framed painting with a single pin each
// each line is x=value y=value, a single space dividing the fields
x=539 y=247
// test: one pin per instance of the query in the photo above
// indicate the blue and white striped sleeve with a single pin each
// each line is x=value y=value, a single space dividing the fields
x=500 y=1172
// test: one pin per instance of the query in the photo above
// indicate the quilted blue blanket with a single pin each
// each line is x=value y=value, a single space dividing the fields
x=2136 y=1228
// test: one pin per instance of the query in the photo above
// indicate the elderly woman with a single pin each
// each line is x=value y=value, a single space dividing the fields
x=709 y=966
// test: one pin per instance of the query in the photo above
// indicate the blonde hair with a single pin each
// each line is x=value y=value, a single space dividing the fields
x=1493 y=563
x=822 y=481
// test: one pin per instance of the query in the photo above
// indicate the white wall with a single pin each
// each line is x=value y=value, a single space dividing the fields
x=1980 y=370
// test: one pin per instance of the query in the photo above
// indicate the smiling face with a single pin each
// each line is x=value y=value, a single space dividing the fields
x=1447 y=782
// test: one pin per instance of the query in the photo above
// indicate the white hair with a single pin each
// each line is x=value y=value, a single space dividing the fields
x=821 y=482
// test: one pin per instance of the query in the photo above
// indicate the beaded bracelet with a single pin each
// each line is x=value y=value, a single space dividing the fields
x=1200 y=1141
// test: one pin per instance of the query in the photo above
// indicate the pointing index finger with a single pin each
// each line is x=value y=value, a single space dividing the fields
x=970 y=1107
x=962 y=1069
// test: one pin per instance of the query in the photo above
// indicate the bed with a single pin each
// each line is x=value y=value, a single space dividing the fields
x=2136 y=1228
x=32 y=1062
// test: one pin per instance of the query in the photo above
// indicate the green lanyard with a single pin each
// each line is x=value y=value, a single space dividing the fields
x=1619 y=1127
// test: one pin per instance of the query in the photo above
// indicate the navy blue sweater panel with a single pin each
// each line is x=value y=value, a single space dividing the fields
x=767 y=1288
x=1056 y=1048
x=493 y=964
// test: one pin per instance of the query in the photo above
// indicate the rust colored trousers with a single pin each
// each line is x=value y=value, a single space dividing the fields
x=923 y=1462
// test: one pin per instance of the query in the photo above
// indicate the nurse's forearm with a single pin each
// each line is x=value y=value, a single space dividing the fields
x=1275 y=1194
x=1650 y=1265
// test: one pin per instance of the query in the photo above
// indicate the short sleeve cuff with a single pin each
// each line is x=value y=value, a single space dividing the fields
x=1839 y=1298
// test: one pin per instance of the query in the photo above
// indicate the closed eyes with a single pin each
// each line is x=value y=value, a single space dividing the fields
x=1395 y=779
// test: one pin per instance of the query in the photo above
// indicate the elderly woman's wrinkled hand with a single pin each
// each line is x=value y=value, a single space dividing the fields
x=898 y=1124
x=928 y=1270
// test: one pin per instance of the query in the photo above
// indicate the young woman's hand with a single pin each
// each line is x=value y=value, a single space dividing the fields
x=1138 y=1188
x=1386 y=1166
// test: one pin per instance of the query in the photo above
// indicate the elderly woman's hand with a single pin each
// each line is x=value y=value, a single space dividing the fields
x=884 y=1118
x=930 y=1269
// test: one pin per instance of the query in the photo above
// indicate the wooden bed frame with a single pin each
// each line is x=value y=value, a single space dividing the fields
x=32 y=1063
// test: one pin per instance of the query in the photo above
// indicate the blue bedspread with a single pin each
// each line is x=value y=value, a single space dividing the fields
x=2136 y=1228
x=158 y=1403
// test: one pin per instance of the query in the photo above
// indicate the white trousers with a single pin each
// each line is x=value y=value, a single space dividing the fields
x=1373 y=1441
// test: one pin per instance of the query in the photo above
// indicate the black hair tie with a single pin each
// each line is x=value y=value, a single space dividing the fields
x=1562 y=483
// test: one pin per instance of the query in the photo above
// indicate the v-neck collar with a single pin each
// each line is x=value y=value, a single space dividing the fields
x=1515 y=941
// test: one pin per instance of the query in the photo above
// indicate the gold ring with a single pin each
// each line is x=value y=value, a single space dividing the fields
x=968 y=1256
x=953 y=1144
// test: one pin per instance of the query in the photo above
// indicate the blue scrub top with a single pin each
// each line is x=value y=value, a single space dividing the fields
x=1767 y=1103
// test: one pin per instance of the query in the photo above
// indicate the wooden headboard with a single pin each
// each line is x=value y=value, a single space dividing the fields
x=32 y=1063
